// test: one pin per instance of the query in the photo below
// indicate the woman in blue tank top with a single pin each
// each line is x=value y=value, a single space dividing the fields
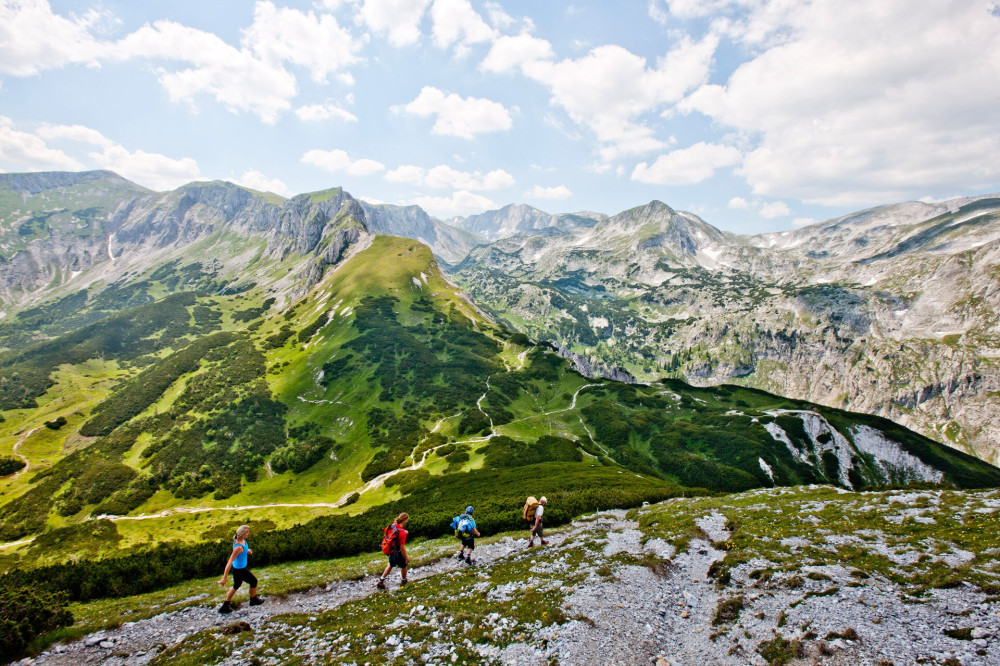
x=241 y=572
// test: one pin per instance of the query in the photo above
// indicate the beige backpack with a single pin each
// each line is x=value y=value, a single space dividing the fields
x=528 y=514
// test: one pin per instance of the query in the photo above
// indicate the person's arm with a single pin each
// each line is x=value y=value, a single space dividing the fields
x=402 y=549
x=538 y=518
x=476 y=532
x=229 y=565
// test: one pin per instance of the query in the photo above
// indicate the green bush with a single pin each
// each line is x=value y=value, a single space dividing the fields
x=10 y=464
x=27 y=611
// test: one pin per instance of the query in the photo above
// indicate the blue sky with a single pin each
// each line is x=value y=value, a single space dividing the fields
x=757 y=115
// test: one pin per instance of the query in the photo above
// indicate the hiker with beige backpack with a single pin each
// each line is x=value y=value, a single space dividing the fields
x=532 y=514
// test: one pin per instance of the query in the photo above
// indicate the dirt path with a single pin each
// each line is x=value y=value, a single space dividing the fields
x=140 y=641
x=17 y=444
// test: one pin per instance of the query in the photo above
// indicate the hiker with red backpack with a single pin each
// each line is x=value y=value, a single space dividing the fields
x=532 y=514
x=394 y=545
x=465 y=530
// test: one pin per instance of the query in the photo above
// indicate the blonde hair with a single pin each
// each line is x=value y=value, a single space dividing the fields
x=402 y=518
x=242 y=531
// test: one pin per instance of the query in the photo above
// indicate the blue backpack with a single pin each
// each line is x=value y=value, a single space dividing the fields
x=462 y=525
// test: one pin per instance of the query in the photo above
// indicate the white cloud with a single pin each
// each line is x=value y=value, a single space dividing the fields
x=400 y=19
x=739 y=203
x=406 y=173
x=510 y=52
x=858 y=103
x=498 y=17
x=610 y=89
x=687 y=166
x=318 y=43
x=457 y=204
x=558 y=192
x=313 y=112
x=23 y=151
x=255 y=180
x=251 y=77
x=773 y=209
x=233 y=76
x=338 y=160
x=78 y=133
x=32 y=38
x=153 y=170
x=457 y=116
x=443 y=176
x=31 y=151
x=658 y=13
x=803 y=221
x=455 y=22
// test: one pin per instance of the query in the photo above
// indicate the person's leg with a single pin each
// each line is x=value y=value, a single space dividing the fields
x=541 y=535
x=402 y=570
x=237 y=583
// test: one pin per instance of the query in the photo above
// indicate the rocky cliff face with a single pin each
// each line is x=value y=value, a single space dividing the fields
x=449 y=243
x=891 y=311
x=68 y=231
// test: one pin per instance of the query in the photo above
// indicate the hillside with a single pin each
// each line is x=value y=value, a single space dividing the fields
x=891 y=311
x=715 y=580
x=381 y=379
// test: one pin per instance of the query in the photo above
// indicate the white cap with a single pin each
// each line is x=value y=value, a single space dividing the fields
x=543 y=500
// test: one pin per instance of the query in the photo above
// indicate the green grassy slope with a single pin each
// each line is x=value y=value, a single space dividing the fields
x=381 y=385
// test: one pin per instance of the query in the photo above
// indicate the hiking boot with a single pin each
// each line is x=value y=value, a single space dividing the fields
x=225 y=608
x=468 y=560
x=380 y=584
x=461 y=556
x=544 y=542
x=403 y=582
x=531 y=544
x=256 y=601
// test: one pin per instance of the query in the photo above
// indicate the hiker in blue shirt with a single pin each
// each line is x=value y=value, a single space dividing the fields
x=241 y=572
x=465 y=530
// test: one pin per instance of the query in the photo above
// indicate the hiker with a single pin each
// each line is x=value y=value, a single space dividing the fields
x=533 y=510
x=394 y=545
x=241 y=572
x=465 y=530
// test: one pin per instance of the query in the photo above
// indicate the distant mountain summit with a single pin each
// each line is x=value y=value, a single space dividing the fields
x=517 y=219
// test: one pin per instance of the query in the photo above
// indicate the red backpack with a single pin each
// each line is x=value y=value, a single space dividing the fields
x=390 y=538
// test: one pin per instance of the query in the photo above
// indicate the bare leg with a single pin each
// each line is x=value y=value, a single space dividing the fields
x=403 y=571
x=388 y=570
x=229 y=596
x=253 y=592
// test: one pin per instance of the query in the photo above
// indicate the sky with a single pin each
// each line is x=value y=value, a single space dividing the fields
x=757 y=115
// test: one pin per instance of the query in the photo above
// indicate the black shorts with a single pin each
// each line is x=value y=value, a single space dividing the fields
x=469 y=542
x=244 y=575
x=396 y=559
